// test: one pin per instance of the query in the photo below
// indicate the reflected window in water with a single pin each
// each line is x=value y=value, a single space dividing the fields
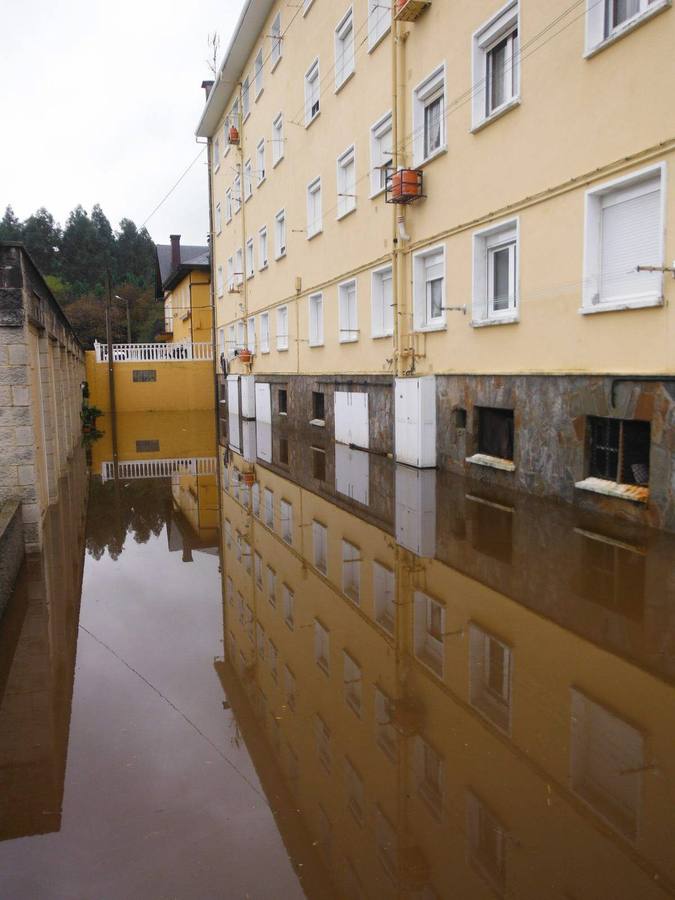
x=612 y=574
x=354 y=790
x=323 y=743
x=428 y=772
x=255 y=499
x=322 y=646
x=228 y=533
x=490 y=662
x=286 y=510
x=269 y=508
x=429 y=627
x=491 y=528
x=351 y=571
x=271 y=586
x=386 y=844
x=261 y=640
x=353 y=683
x=289 y=688
x=325 y=831
x=487 y=843
x=274 y=660
x=318 y=464
x=258 y=571
x=320 y=546
x=288 y=602
x=385 y=733
x=383 y=596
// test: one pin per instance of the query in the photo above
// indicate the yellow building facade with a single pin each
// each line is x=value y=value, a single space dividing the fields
x=535 y=242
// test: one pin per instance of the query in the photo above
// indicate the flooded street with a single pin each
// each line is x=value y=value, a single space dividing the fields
x=393 y=684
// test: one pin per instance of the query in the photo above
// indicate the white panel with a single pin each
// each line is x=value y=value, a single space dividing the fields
x=416 y=510
x=352 y=472
x=415 y=421
x=233 y=395
x=263 y=402
x=233 y=432
x=248 y=396
x=351 y=418
x=248 y=435
x=263 y=433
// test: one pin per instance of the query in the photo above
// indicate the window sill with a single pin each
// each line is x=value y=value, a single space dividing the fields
x=497 y=114
x=383 y=334
x=309 y=122
x=424 y=162
x=314 y=346
x=628 y=27
x=282 y=349
x=247 y=197
x=338 y=87
x=263 y=268
x=377 y=193
x=632 y=492
x=378 y=40
x=276 y=163
x=260 y=181
x=246 y=117
x=315 y=234
x=264 y=352
x=216 y=168
x=486 y=323
x=259 y=95
x=319 y=423
x=276 y=62
x=280 y=256
x=348 y=340
x=621 y=305
x=492 y=462
x=219 y=232
x=344 y=215
x=423 y=329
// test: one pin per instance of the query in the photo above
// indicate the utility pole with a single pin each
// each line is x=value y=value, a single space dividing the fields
x=111 y=372
x=125 y=300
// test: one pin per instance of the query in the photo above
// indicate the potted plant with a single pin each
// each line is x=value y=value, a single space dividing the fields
x=245 y=356
x=233 y=136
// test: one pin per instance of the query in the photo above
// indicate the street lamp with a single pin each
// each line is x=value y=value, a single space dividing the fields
x=126 y=300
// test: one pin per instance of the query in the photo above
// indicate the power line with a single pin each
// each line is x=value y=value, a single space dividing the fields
x=170 y=192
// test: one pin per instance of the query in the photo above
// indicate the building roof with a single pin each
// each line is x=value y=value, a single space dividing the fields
x=192 y=256
x=246 y=34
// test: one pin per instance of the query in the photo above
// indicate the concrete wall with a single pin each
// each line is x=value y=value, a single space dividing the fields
x=41 y=369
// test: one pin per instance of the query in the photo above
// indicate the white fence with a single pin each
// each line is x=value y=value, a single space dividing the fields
x=160 y=468
x=185 y=351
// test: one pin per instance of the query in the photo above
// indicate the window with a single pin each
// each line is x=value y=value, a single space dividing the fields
x=619 y=450
x=250 y=334
x=277 y=139
x=624 y=230
x=228 y=205
x=323 y=748
x=289 y=688
x=385 y=733
x=258 y=73
x=288 y=604
x=283 y=451
x=314 y=219
x=353 y=683
x=346 y=182
x=280 y=234
x=351 y=571
x=219 y=219
x=321 y=646
x=286 y=511
x=144 y=375
x=274 y=659
x=271 y=586
x=255 y=499
x=344 y=49
x=275 y=34
x=320 y=546
x=219 y=281
x=490 y=677
x=231 y=341
x=381 y=301
x=236 y=193
x=216 y=154
x=306 y=5
x=268 y=496
x=609 y=20
x=429 y=133
x=264 y=332
x=282 y=328
x=260 y=640
x=380 y=154
x=250 y=262
x=429 y=289
x=355 y=794
x=316 y=321
x=495 y=432
x=248 y=180
x=607 y=762
x=429 y=626
x=318 y=406
x=282 y=396
x=245 y=98
x=312 y=93
x=318 y=464
x=239 y=267
x=260 y=161
x=347 y=312
x=379 y=21
x=262 y=248
x=496 y=65
x=486 y=839
x=230 y=273
x=428 y=769
x=384 y=597
x=495 y=273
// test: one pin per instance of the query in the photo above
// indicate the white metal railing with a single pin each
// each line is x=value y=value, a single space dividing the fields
x=185 y=351
x=160 y=468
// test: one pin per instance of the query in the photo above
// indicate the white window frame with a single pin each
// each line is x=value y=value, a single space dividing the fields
x=250 y=259
x=250 y=334
x=421 y=319
x=505 y=22
x=653 y=296
x=496 y=706
x=219 y=281
x=231 y=340
x=277 y=139
x=316 y=335
x=245 y=98
x=485 y=243
x=322 y=646
x=345 y=62
x=379 y=22
x=312 y=77
x=219 y=218
x=346 y=192
x=600 y=34
x=423 y=95
x=378 y=157
x=279 y=224
x=378 y=306
x=216 y=154
x=248 y=180
x=239 y=267
x=264 y=332
x=228 y=205
x=282 y=339
x=286 y=523
x=429 y=649
x=268 y=507
x=260 y=161
x=306 y=6
x=288 y=605
x=351 y=571
x=277 y=42
x=320 y=547
x=348 y=335
x=258 y=74
x=230 y=274
x=314 y=208
x=236 y=193
x=263 y=249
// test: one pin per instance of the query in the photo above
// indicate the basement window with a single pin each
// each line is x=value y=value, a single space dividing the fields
x=318 y=464
x=144 y=375
x=147 y=446
x=283 y=451
x=619 y=458
x=283 y=401
x=318 y=407
x=495 y=439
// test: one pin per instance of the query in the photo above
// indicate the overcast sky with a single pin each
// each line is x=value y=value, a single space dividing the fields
x=100 y=101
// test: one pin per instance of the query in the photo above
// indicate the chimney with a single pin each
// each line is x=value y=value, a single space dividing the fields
x=207 y=85
x=175 y=251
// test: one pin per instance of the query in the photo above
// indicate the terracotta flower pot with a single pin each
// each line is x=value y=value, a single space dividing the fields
x=233 y=135
x=249 y=479
x=245 y=356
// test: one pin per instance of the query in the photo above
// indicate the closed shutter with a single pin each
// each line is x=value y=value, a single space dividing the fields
x=630 y=237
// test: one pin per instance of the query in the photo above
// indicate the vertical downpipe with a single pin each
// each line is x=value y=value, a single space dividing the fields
x=212 y=298
x=242 y=188
x=394 y=163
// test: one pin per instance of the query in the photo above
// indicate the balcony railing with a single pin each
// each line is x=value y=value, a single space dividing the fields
x=185 y=351
x=160 y=468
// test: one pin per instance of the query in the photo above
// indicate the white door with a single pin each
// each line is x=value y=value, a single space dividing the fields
x=416 y=510
x=351 y=418
x=263 y=436
x=352 y=470
x=233 y=432
x=415 y=421
x=263 y=402
x=248 y=396
x=233 y=395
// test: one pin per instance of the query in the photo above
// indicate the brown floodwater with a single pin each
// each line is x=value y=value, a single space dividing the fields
x=325 y=675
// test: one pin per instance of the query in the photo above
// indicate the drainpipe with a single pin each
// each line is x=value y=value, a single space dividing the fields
x=394 y=163
x=212 y=300
x=242 y=187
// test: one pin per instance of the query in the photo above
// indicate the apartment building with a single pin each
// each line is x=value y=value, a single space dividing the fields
x=428 y=716
x=453 y=220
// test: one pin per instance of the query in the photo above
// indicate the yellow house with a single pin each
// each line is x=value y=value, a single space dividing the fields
x=182 y=283
x=463 y=214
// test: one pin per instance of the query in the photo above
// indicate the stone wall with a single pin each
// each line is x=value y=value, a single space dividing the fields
x=41 y=370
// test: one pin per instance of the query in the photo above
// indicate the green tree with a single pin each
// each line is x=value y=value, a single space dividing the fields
x=42 y=237
x=10 y=227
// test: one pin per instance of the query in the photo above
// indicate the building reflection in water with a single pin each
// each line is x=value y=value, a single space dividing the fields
x=447 y=691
